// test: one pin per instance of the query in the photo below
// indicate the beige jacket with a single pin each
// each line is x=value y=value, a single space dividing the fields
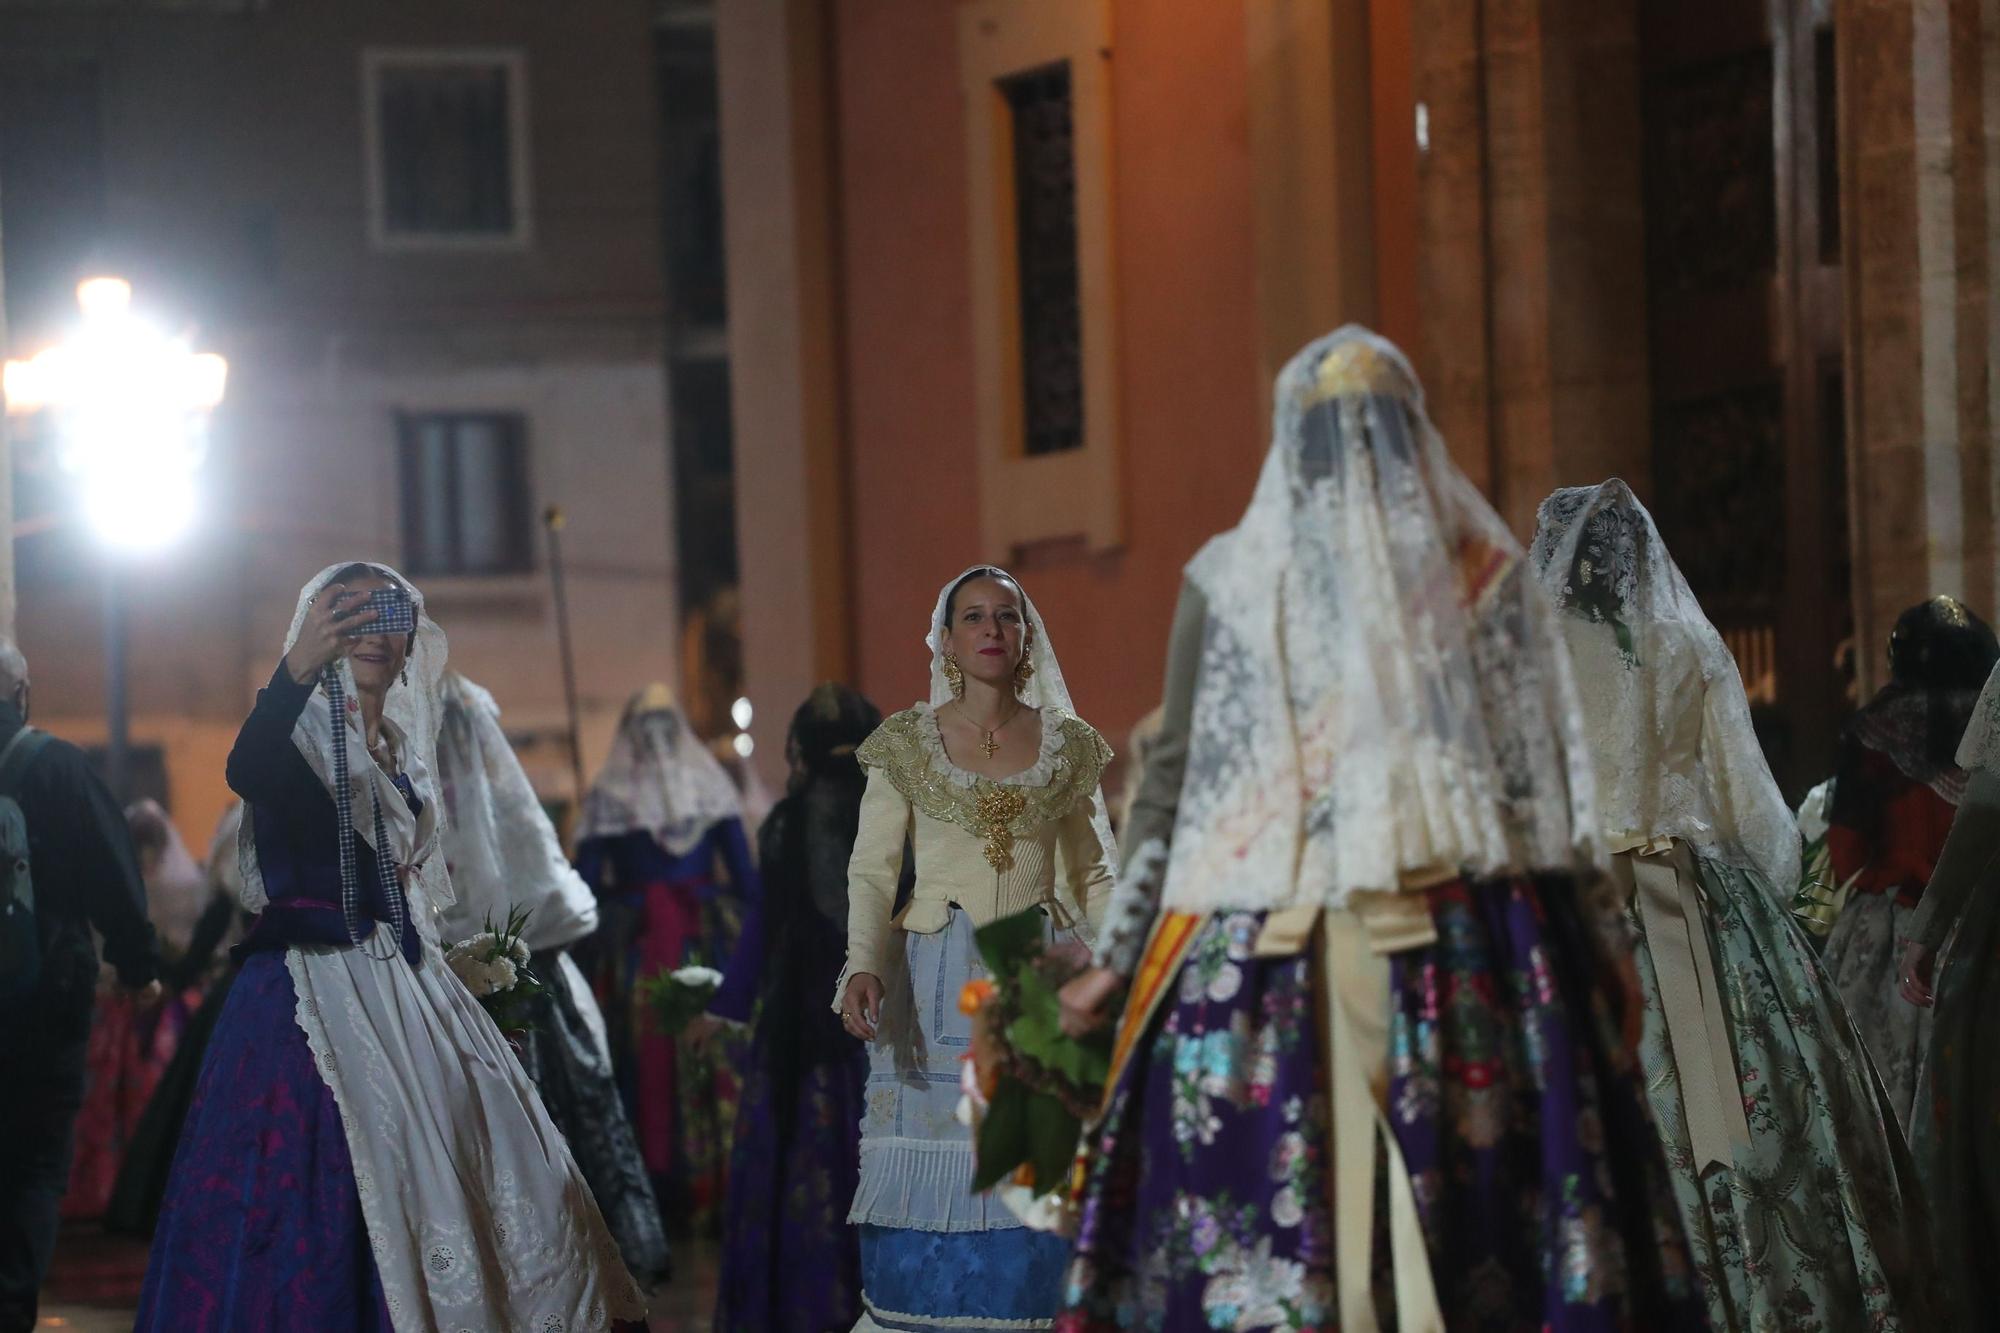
x=991 y=848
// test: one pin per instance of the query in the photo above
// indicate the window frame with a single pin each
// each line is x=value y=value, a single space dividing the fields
x=515 y=424
x=513 y=63
x=1027 y=500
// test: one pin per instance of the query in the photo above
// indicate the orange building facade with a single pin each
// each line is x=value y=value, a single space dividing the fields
x=1500 y=185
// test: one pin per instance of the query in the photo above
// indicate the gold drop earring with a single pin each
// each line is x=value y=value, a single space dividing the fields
x=954 y=678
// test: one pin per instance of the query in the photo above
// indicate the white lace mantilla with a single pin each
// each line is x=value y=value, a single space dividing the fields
x=498 y=843
x=1980 y=747
x=1382 y=692
x=1663 y=702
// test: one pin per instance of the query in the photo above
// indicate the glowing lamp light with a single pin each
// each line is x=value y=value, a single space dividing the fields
x=100 y=297
x=742 y=714
x=745 y=747
x=132 y=406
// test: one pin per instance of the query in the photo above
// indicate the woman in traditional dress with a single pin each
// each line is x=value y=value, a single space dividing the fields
x=1368 y=1073
x=132 y=1044
x=661 y=842
x=364 y=1151
x=504 y=856
x=994 y=784
x=1797 y=1193
x=1955 y=1127
x=142 y=1180
x=790 y=1264
x=1896 y=786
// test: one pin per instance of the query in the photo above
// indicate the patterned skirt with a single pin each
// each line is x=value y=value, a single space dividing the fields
x=790 y=1262
x=262 y=1226
x=561 y=1055
x=1816 y=1225
x=1539 y=1185
x=934 y=1255
x=1860 y=957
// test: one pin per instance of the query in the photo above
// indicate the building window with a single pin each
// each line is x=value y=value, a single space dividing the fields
x=447 y=148
x=466 y=509
x=1037 y=81
x=1038 y=104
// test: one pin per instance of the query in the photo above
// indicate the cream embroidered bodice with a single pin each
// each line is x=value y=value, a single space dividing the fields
x=991 y=847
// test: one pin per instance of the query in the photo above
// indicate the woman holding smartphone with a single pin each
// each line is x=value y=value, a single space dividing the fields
x=363 y=1151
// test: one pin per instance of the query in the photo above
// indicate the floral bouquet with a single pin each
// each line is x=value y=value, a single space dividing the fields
x=494 y=966
x=1029 y=1088
x=680 y=996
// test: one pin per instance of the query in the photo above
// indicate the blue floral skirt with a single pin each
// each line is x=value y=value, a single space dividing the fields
x=1539 y=1183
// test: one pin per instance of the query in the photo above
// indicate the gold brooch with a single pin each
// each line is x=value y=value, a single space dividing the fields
x=993 y=819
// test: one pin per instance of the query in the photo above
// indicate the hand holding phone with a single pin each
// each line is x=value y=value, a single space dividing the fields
x=325 y=635
x=384 y=611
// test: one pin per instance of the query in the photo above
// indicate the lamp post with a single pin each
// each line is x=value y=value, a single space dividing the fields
x=131 y=406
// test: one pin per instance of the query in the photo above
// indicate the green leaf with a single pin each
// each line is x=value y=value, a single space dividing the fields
x=1038 y=1034
x=1052 y=1136
x=1003 y=944
x=1003 y=1135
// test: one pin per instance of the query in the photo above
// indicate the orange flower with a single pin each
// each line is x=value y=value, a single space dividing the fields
x=975 y=994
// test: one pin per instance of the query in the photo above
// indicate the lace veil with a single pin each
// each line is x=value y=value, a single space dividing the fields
x=501 y=848
x=1664 y=703
x=1046 y=688
x=1383 y=694
x=176 y=888
x=1980 y=748
x=660 y=779
x=414 y=710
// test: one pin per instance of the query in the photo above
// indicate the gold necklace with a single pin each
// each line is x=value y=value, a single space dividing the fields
x=989 y=745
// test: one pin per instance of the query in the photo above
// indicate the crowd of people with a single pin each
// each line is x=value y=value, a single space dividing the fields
x=1462 y=964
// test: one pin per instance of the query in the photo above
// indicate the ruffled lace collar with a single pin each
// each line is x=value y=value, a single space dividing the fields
x=1038 y=774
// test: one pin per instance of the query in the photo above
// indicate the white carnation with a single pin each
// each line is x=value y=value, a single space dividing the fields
x=695 y=977
x=466 y=965
x=519 y=951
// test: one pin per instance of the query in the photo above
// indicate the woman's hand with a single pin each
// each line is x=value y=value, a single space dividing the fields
x=861 y=1007
x=1086 y=1000
x=328 y=632
x=1913 y=971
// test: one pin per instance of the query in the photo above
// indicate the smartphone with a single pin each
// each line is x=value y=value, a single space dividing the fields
x=394 y=612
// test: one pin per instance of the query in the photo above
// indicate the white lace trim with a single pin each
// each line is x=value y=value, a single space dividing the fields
x=924 y=1185
x=1038 y=774
x=867 y=1323
x=1134 y=903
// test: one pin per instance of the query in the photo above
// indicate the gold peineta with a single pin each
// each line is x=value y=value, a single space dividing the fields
x=1356 y=367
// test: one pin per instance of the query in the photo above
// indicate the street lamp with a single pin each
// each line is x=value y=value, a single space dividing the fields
x=131 y=407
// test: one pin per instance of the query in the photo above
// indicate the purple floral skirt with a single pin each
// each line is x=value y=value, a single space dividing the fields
x=262 y=1226
x=1539 y=1181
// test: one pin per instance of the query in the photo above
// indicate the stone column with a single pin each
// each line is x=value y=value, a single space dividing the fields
x=1533 y=287
x=1919 y=116
x=791 y=482
x=1310 y=134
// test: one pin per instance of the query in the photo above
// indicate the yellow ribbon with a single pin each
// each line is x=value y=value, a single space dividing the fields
x=1354 y=948
x=1355 y=945
x=1659 y=874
